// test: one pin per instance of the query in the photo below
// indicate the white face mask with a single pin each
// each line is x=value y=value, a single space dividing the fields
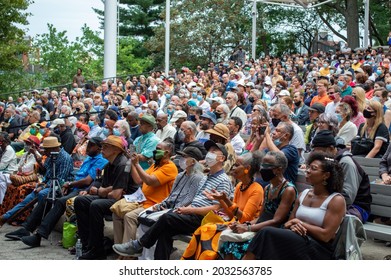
x=182 y=163
x=210 y=159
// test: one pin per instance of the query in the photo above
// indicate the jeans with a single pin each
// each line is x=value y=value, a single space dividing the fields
x=46 y=216
x=41 y=197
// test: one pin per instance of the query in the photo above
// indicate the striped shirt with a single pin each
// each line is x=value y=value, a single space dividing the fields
x=219 y=182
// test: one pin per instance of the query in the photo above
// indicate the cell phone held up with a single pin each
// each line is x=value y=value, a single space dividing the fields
x=262 y=130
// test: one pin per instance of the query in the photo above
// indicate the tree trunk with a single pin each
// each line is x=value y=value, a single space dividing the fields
x=351 y=17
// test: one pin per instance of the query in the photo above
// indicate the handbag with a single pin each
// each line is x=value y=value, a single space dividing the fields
x=148 y=217
x=121 y=207
x=361 y=146
x=229 y=236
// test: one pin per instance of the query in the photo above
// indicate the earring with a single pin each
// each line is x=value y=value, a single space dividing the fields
x=324 y=182
x=245 y=171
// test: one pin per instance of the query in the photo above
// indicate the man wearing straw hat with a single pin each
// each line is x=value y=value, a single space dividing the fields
x=90 y=209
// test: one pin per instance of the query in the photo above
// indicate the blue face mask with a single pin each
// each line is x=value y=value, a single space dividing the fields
x=106 y=132
x=341 y=84
x=168 y=96
x=339 y=117
x=24 y=114
x=42 y=131
x=91 y=123
x=194 y=95
x=116 y=132
x=199 y=97
x=213 y=95
x=170 y=112
x=277 y=142
x=379 y=72
x=388 y=87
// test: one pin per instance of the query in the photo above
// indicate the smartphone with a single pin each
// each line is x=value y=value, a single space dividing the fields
x=262 y=130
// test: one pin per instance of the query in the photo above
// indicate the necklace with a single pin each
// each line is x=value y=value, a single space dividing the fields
x=243 y=188
x=273 y=189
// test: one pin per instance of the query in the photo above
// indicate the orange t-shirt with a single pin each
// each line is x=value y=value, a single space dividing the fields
x=323 y=100
x=249 y=201
x=166 y=175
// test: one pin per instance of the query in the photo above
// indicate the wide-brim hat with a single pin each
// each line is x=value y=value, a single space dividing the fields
x=219 y=130
x=33 y=140
x=50 y=142
x=115 y=141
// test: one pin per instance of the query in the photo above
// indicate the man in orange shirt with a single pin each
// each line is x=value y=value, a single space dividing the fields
x=156 y=182
x=322 y=96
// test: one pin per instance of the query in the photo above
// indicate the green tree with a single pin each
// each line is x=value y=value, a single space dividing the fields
x=13 y=43
x=129 y=60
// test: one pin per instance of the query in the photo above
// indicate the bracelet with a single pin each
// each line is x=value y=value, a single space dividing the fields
x=248 y=226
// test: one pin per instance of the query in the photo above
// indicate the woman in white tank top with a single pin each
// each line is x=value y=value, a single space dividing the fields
x=314 y=221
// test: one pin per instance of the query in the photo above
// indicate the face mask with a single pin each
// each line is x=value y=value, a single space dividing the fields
x=33 y=131
x=158 y=155
x=91 y=124
x=57 y=131
x=116 y=132
x=297 y=104
x=331 y=72
x=379 y=72
x=181 y=135
x=277 y=142
x=376 y=98
x=267 y=174
x=170 y=112
x=218 y=115
x=210 y=159
x=194 y=95
x=339 y=117
x=193 y=118
x=251 y=99
x=182 y=163
x=199 y=97
x=367 y=114
x=125 y=114
x=275 y=122
x=106 y=132
x=168 y=96
x=42 y=131
x=80 y=134
x=213 y=95
x=325 y=65
x=341 y=84
x=388 y=87
x=24 y=114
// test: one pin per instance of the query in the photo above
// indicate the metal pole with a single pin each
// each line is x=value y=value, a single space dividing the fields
x=366 y=23
x=254 y=30
x=110 y=37
x=167 y=39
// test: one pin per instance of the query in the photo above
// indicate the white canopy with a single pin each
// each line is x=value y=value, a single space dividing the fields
x=307 y=4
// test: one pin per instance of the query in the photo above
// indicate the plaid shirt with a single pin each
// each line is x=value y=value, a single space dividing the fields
x=64 y=168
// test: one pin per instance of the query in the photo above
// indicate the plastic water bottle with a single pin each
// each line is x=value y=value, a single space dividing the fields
x=79 y=250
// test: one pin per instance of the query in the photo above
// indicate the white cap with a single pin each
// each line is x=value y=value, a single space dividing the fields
x=56 y=122
x=177 y=115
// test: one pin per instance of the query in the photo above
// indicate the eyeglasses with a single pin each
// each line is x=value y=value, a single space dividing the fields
x=255 y=110
x=331 y=92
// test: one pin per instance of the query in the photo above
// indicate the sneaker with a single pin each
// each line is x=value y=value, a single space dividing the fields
x=127 y=249
x=93 y=254
x=18 y=234
x=32 y=240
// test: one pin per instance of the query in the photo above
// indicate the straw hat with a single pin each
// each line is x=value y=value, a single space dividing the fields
x=219 y=130
x=50 y=142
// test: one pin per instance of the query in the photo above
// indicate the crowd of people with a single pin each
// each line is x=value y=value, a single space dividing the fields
x=226 y=140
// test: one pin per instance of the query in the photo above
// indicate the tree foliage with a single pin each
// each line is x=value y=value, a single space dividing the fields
x=12 y=41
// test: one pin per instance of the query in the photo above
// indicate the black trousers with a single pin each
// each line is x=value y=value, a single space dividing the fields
x=45 y=217
x=90 y=211
x=169 y=225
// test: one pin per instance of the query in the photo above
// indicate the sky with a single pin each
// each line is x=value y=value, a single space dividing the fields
x=68 y=15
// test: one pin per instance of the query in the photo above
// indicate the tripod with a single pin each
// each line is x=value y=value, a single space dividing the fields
x=55 y=187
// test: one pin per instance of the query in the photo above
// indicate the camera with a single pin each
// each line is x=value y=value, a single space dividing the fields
x=54 y=156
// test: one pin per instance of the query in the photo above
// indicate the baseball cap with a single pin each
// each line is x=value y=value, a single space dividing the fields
x=96 y=140
x=283 y=92
x=56 y=122
x=317 y=107
x=192 y=152
x=323 y=138
x=177 y=115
